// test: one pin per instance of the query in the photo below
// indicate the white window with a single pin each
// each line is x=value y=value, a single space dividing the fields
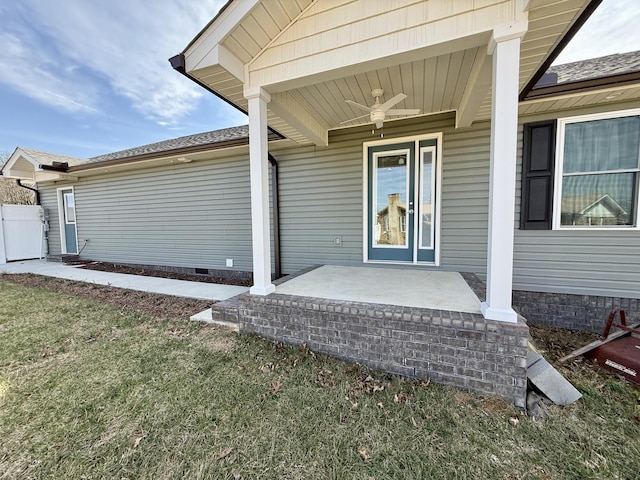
x=597 y=171
x=69 y=208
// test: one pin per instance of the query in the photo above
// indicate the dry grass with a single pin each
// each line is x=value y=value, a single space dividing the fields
x=89 y=390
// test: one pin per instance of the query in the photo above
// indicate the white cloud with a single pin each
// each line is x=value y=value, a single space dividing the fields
x=33 y=74
x=70 y=50
x=612 y=28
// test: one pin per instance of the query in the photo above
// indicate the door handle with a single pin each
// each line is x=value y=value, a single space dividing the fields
x=410 y=211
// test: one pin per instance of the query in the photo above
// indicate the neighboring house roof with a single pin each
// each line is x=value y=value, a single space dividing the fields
x=189 y=141
x=34 y=165
x=592 y=205
x=46 y=158
x=597 y=67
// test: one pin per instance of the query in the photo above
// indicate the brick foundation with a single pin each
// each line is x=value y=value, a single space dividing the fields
x=453 y=348
x=573 y=312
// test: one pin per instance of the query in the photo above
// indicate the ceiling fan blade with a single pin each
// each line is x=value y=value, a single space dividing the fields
x=391 y=102
x=356 y=118
x=363 y=107
x=403 y=111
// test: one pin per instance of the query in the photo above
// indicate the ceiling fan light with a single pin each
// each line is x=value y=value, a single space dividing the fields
x=377 y=117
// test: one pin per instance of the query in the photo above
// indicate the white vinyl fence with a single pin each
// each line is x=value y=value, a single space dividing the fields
x=22 y=232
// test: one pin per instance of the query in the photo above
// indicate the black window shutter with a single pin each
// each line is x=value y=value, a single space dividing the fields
x=538 y=159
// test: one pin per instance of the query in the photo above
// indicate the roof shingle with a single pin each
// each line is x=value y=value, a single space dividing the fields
x=206 y=138
x=597 y=67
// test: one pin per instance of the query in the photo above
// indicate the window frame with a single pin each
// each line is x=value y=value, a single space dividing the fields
x=559 y=174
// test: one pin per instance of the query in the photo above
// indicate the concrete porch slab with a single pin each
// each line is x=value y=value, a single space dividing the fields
x=392 y=286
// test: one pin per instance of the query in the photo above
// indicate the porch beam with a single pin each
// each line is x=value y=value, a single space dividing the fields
x=505 y=48
x=289 y=109
x=259 y=175
x=476 y=90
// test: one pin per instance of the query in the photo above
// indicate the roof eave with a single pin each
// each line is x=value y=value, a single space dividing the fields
x=583 y=86
x=226 y=144
x=544 y=67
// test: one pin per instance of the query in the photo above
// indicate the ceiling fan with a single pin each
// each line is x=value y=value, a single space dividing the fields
x=379 y=111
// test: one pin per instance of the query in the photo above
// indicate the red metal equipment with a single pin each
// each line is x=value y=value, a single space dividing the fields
x=619 y=352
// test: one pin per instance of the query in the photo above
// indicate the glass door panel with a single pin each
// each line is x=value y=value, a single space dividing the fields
x=391 y=187
x=426 y=198
x=427 y=202
x=391 y=191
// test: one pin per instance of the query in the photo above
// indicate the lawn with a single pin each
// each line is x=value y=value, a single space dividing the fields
x=90 y=390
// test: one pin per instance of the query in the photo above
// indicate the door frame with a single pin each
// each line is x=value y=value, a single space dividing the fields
x=62 y=221
x=437 y=198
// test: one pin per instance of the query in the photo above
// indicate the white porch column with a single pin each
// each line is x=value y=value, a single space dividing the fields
x=505 y=48
x=259 y=174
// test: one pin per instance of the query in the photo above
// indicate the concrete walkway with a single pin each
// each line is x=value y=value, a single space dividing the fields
x=164 y=286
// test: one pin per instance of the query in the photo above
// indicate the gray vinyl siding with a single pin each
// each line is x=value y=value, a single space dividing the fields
x=321 y=198
x=321 y=192
x=192 y=215
x=49 y=201
x=605 y=262
x=198 y=214
x=465 y=199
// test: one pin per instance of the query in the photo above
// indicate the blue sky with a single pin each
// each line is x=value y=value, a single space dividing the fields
x=84 y=77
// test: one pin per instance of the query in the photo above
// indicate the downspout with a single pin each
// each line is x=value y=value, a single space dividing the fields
x=275 y=190
x=35 y=190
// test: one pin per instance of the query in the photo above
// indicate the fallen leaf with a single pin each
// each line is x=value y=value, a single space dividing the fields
x=266 y=368
x=363 y=454
x=354 y=406
x=413 y=420
x=514 y=421
x=139 y=436
x=400 y=397
x=379 y=405
x=236 y=475
x=303 y=349
x=225 y=453
x=275 y=387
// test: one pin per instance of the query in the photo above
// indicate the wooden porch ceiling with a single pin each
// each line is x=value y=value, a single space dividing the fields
x=455 y=76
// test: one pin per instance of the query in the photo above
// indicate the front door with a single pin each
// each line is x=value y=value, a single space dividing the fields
x=69 y=237
x=401 y=201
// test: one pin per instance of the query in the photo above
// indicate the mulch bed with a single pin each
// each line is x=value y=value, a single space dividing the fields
x=149 y=272
x=557 y=342
x=152 y=304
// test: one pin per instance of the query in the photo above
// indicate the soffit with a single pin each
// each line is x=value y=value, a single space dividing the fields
x=304 y=43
